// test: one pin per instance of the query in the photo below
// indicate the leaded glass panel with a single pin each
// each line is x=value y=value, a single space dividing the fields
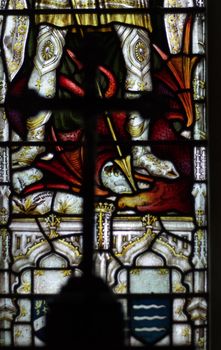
x=151 y=172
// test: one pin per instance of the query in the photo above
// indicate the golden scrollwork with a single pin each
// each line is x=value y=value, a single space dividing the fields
x=53 y=222
x=26 y=287
x=171 y=249
x=197 y=112
x=3 y=215
x=23 y=312
x=47 y=50
x=141 y=85
x=172 y=20
x=131 y=244
x=120 y=288
x=173 y=3
x=38 y=84
x=18 y=333
x=129 y=84
x=179 y=288
x=18 y=33
x=163 y=271
x=3 y=234
x=201 y=342
x=20 y=4
x=66 y=273
x=179 y=310
x=104 y=207
x=186 y=332
x=39 y=272
x=140 y=51
x=198 y=85
x=101 y=209
x=148 y=221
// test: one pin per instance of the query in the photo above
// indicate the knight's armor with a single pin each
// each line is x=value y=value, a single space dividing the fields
x=133 y=32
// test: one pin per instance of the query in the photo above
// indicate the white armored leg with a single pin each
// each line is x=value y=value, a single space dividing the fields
x=135 y=44
x=43 y=81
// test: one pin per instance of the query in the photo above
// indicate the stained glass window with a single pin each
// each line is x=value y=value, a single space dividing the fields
x=148 y=90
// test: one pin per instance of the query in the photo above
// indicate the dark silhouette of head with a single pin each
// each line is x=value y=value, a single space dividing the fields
x=85 y=313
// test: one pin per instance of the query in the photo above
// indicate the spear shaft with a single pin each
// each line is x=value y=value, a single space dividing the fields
x=124 y=163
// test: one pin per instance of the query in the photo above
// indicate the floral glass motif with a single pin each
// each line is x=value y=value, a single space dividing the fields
x=150 y=239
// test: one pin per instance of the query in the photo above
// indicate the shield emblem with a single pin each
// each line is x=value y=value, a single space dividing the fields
x=150 y=319
x=39 y=317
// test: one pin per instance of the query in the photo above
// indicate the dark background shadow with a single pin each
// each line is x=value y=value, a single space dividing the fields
x=85 y=314
x=214 y=115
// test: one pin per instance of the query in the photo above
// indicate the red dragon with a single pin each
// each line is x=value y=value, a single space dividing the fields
x=172 y=81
